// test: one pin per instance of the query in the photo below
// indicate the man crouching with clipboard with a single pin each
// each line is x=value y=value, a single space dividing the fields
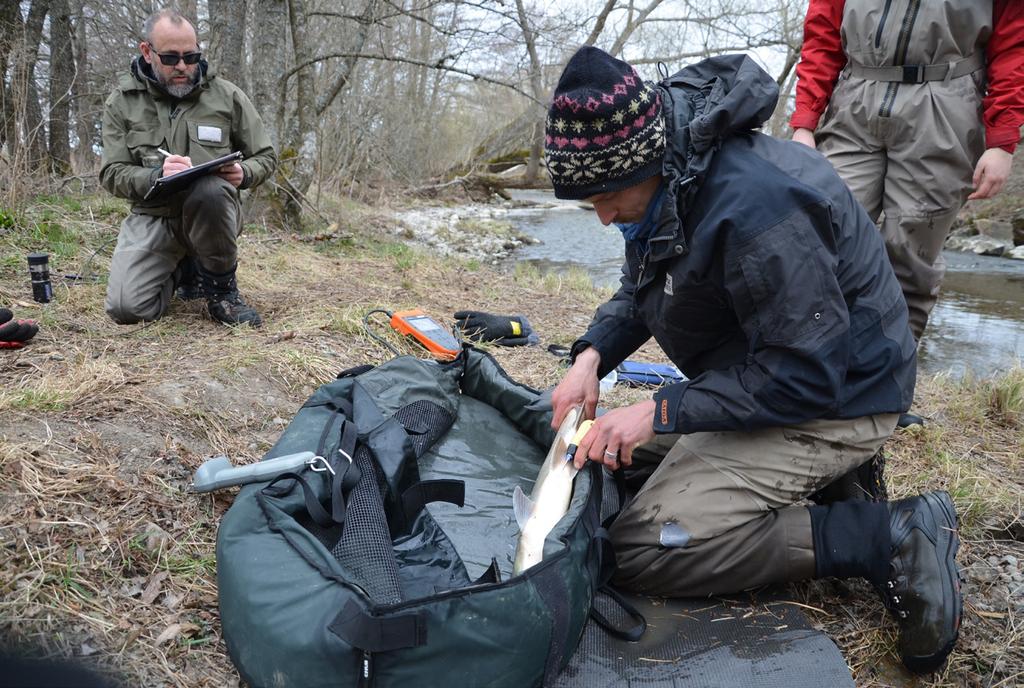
x=168 y=114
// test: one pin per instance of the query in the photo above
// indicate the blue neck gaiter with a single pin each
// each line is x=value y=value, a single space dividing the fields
x=642 y=231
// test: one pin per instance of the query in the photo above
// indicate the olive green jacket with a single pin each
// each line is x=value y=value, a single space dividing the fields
x=215 y=119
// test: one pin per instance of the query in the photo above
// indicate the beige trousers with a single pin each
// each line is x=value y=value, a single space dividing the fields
x=149 y=248
x=718 y=513
x=910 y=164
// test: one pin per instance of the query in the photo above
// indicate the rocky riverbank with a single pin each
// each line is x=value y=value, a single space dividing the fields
x=989 y=236
x=473 y=231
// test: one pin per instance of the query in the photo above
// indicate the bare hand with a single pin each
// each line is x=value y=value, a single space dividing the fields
x=578 y=388
x=804 y=136
x=991 y=172
x=232 y=174
x=176 y=163
x=616 y=434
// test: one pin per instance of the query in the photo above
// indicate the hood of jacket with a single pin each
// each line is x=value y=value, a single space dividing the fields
x=704 y=104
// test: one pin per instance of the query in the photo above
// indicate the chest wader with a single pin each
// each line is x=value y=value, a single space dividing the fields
x=904 y=128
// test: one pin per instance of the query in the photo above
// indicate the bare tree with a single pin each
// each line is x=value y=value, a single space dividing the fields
x=62 y=74
x=28 y=148
x=227 y=38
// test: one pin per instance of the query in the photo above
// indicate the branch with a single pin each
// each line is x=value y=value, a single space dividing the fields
x=708 y=52
x=437 y=64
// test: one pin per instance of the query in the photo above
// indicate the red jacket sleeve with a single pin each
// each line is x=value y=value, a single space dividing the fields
x=1003 y=105
x=821 y=60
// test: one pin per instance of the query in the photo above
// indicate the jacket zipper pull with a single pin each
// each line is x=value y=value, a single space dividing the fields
x=640 y=278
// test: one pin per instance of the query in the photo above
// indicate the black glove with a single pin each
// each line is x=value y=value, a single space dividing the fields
x=14 y=333
x=507 y=330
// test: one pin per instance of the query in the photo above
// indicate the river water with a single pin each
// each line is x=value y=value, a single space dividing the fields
x=977 y=325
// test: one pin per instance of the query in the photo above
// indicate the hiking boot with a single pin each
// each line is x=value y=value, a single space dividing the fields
x=865 y=482
x=907 y=419
x=224 y=302
x=186 y=279
x=923 y=588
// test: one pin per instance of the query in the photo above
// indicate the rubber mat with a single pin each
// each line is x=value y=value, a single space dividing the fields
x=753 y=643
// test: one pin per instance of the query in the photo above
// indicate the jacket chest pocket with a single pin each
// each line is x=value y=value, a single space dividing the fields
x=208 y=139
x=143 y=146
x=697 y=311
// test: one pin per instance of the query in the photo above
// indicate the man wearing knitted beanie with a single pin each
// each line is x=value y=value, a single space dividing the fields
x=762 y=279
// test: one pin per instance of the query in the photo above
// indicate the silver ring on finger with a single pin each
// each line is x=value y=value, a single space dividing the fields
x=610 y=454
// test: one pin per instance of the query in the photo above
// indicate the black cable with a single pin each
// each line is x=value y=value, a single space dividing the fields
x=380 y=340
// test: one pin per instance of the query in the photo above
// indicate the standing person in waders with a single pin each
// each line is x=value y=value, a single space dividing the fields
x=918 y=106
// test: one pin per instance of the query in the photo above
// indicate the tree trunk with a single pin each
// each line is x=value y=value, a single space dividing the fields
x=62 y=74
x=227 y=39
x=10 y=30
x=301 y=132
x=537 y=140
x=268 y=60
x=84 y=103
x=28 y=148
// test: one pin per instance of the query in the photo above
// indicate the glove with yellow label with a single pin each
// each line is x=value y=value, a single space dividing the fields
x=506 y=330
x=14 y=333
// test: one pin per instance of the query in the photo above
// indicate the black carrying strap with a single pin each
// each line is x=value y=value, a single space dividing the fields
x=606 y=566
x=344 y=473
x=313 y=506
x=605 y=553
x=370 y=633
x=426 y=491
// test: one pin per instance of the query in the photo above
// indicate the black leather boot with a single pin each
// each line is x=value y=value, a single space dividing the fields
x=186 y=280
x=923 y=586
x=223 y=300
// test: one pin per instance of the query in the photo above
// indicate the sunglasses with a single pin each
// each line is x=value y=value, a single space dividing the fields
x=171 y=59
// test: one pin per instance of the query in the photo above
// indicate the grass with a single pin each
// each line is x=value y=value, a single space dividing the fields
x=101 y=427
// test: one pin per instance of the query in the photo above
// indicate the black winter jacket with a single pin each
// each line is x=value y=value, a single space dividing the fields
x=764 y=282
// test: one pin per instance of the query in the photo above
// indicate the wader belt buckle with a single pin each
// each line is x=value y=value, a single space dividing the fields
x=913 y=74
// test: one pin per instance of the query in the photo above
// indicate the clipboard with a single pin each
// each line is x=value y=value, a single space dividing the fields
x=179 y=180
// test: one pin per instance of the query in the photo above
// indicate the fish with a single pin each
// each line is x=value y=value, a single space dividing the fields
x=552 y=491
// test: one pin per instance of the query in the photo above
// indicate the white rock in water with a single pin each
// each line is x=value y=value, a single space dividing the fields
x=1016 y=252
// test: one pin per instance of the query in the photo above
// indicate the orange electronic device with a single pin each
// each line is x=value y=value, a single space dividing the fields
x=428 y=332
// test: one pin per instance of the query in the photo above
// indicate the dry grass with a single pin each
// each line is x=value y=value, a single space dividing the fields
x=106 y=555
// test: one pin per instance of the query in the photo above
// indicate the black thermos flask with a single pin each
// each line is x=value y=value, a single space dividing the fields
x=39 y=270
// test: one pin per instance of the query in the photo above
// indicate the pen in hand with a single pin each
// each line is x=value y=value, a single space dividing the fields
x=164 y=153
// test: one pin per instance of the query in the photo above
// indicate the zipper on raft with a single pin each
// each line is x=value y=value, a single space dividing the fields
x=900 y=57
x=365 y=670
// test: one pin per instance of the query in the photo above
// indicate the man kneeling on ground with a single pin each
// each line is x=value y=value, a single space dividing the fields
x=763 y=280
x=171 y=103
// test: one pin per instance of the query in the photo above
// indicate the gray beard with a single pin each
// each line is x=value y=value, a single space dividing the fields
x=176 y=90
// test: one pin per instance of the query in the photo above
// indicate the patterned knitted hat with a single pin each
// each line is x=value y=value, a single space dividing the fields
x=604 y=130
